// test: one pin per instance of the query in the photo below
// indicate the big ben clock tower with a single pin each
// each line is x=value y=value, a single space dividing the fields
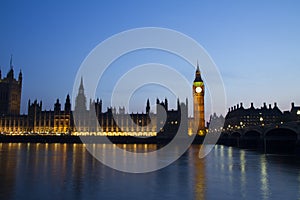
x=198 y=94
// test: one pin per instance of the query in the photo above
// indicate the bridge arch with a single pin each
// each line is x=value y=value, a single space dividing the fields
x=225 y=134
x=281 y=133
x=252 y=134
x=236 y=134
x=280 y=140
x=281 y=128
x=251 y=139
x=234 y=139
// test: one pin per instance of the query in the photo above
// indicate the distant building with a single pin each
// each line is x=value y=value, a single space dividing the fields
x=240 y=117
x=215 y=123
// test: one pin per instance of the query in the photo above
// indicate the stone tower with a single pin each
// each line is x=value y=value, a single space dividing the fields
x=198 y=94
x=10 y=92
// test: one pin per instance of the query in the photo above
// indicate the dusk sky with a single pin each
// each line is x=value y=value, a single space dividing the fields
x=255 y=44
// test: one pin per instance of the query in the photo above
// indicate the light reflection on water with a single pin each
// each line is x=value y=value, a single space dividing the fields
x=68 y=171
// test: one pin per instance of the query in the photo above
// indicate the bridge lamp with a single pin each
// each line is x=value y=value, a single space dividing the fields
x=228 y=127
x=261 y=119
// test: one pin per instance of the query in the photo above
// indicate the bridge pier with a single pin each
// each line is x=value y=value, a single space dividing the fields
x=297 y=147
x=233 y=142
x=261 y=145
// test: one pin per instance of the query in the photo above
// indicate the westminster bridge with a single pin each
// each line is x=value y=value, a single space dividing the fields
x=283 y=137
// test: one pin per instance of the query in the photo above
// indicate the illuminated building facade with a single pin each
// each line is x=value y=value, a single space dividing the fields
x=92 y=120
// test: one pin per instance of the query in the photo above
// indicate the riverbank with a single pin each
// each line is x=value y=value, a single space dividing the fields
x=267 y=147
x=87 y=139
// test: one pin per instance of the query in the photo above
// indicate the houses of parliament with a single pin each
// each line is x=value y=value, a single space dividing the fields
x=112 y=122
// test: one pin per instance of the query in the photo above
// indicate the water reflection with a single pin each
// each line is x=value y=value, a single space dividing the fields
x=128 y=157
x=68 y=171
x=243 y=173
x=264 y=177
x=298 y=186
x=199 y=173
x=7 y=173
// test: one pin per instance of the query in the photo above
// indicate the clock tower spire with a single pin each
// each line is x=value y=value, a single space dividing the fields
x=198 y=95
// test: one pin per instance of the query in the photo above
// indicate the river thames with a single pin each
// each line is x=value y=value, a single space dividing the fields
x=68 y=171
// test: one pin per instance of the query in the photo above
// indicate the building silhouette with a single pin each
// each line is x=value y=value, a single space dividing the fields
x=239 y=117
x=10 y=92
x=93 y=120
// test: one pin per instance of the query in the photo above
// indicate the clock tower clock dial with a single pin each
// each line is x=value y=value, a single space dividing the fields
x=198 y=89
x=198 y=95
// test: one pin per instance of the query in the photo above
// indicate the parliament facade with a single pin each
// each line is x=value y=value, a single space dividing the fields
x=112 y=122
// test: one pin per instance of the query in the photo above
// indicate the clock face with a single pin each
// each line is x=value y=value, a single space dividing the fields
x=198 y=89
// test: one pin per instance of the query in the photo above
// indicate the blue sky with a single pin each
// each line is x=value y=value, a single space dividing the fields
x=255 y=44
